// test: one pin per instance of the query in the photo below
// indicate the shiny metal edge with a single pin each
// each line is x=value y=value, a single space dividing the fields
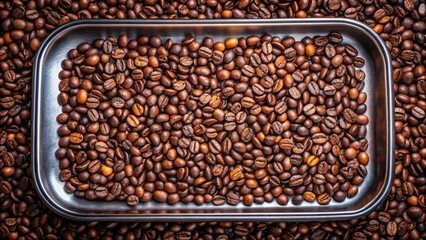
x=221 y=216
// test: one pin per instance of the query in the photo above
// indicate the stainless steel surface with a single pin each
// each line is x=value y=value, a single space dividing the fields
x=378 y=85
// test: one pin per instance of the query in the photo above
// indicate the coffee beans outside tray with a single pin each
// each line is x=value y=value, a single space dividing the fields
x=248 y=120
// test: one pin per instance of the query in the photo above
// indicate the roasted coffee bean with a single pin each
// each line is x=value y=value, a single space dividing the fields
x=286 y=144
x=133 y=121
x=232 y=198
x=339 y=196
x=296 y=180
x=5 y=187
x=324 y=198
x=309 y=196
x=76 y=137
x=384 y=217
x=101 y=192
x=219 y=200
x=312 y=160
x=247 y=102
x=415 y=212
x=294 y=93
x=248 y=70
x=319 y=138
x=260 y=162
x=391 y=228
x=217 y=170
x=8 y=159
x=133 y=200
x=92 y=102
x=418 y=112
x=318 y=179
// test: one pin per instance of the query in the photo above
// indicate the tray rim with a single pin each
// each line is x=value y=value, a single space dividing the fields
x=271 y=216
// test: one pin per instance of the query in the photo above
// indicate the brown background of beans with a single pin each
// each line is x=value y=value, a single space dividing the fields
x=24 y=24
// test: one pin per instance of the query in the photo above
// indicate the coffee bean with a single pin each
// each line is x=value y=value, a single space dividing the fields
x=117 y=102
x=339 y=196
x=294 y=93
x=391 y=228
x=258 y=89
x=231 y=43
x=76 y=137
x=247 y=102
x=383 y=217
x=5 y=187
x=133 y=200
x=261 y=70
x=400 y=25
x=309 y=109
x=418 y=112
x=8 y=159
x=7 y=102
x=324 y=199
x=248 y=70
x=215 y=101
x=313 y=88
x=205 y=52
x=260 y=162
x=415 y=212
x=329 y=90
x=106 y=170
x=319 y=138
x=141 y=61
x=312 y=160
x=101 y=192
x=217 y=170
x=232 y=198
x=133 y=121
x=309 y=196
x=160 y=196
x=92 y=102
x=219 y=200
x=335 y=37
x=101 y=147
x=93 y=115
x=319 y=179
x=296 y=180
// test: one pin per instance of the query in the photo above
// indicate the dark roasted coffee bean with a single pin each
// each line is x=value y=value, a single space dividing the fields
x=335 y=37
x=391 y=228
x=309 y=196
x=418 y=112
x=384 y=217
x=101 y=192
x=7 y=102
x=5 y=187
x=248 y=70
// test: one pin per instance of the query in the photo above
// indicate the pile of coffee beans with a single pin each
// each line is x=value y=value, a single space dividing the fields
x=244 y=120
x=25 y=23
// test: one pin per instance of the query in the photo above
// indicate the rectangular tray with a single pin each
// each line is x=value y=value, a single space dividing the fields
x=378 y=86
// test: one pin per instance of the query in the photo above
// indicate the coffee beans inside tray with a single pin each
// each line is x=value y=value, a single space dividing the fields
x=251 y=120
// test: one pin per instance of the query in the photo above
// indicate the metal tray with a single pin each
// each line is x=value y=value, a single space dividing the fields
x=378 y=85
